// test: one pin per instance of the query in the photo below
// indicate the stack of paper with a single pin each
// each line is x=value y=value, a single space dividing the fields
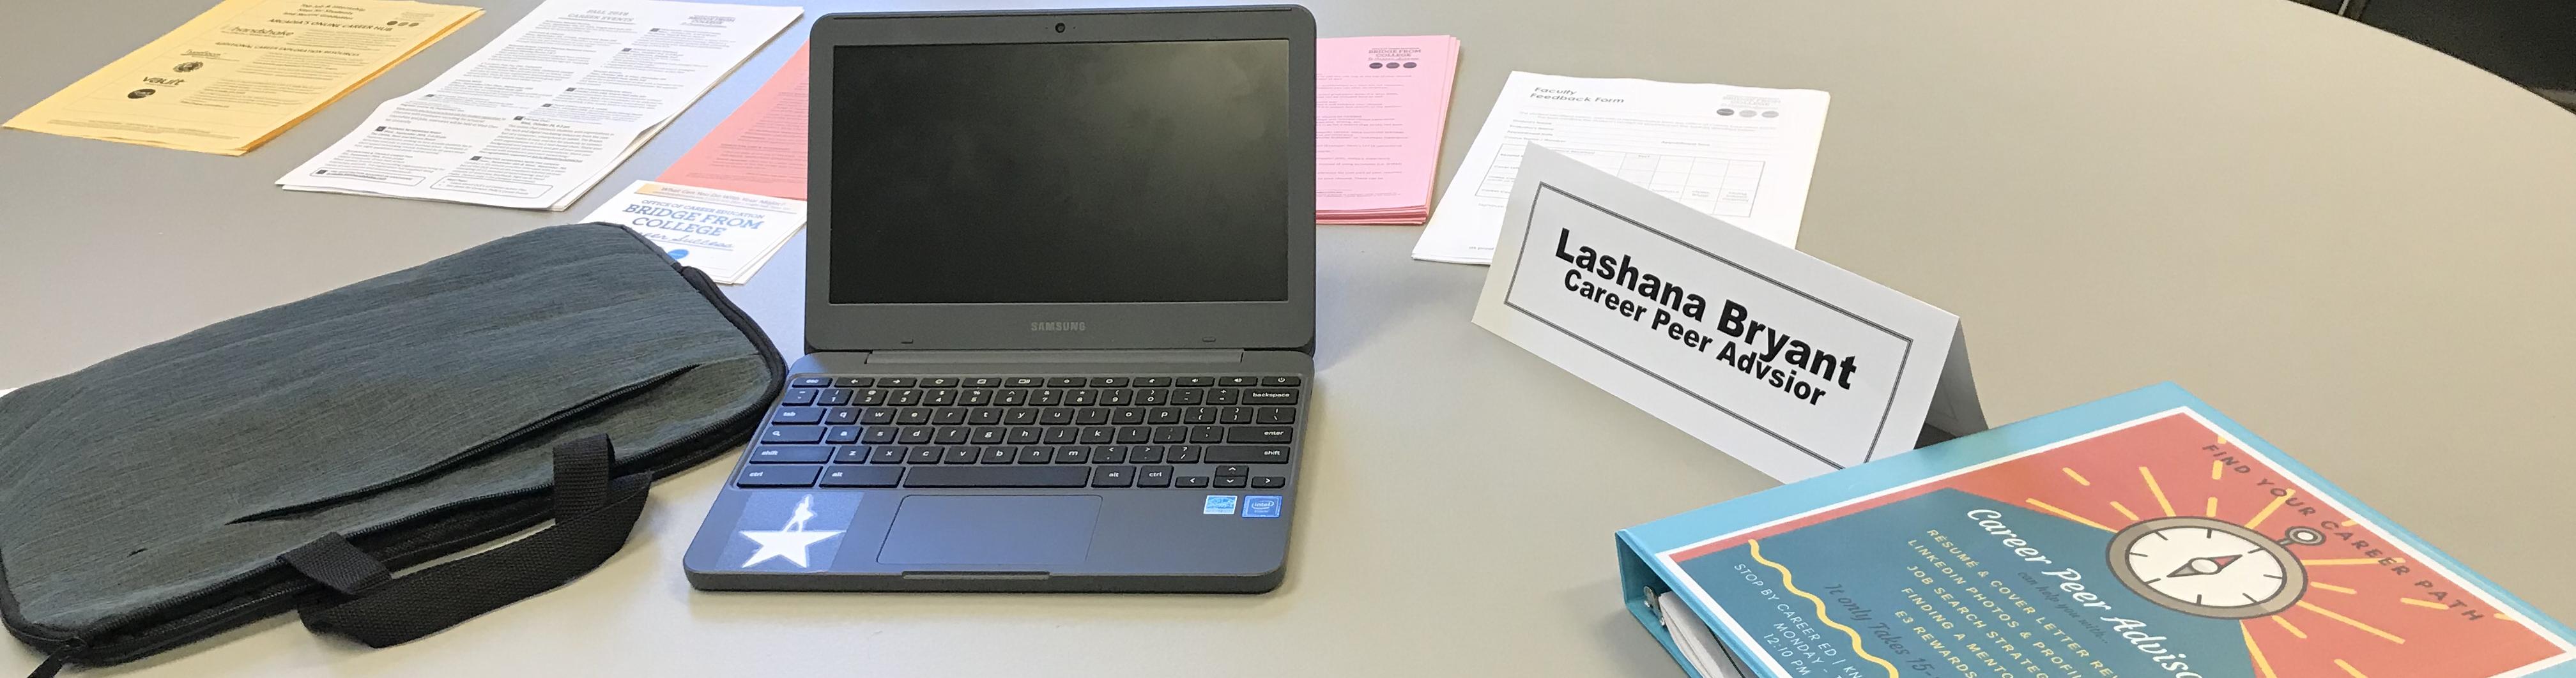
x=1698 y=645
x=1380 y=107
x=1741 y=154
x=547 y=110
x=760 y=148
x=242 y=72
x=725 y=234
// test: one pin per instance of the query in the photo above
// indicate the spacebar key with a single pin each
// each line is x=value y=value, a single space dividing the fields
x=997 y=476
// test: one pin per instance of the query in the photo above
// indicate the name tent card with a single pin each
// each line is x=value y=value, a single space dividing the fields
x=1791 y=364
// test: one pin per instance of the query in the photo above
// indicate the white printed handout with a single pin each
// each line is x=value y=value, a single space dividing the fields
x=544 y=112
x=1743 y=154
x=726 y=234
x=1784 y=361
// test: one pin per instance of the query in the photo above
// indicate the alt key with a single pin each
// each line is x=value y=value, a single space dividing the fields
x=862 y=476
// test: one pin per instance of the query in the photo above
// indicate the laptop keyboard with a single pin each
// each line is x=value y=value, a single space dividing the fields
x=1157 y=431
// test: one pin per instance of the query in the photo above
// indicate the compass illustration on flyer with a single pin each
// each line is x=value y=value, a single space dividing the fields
x=2211 y=567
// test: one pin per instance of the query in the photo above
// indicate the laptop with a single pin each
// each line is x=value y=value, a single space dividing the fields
x=1060 y=310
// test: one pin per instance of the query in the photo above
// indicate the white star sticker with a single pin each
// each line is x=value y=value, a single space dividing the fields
x=788 y=544
x=790 y=540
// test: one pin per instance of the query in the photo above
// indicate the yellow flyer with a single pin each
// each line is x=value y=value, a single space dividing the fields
x=240 y=73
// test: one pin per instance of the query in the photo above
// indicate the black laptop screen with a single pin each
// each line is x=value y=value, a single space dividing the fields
x=1060 y=173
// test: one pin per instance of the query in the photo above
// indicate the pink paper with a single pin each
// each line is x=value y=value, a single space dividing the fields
x=1380 y=106
x=760 y=148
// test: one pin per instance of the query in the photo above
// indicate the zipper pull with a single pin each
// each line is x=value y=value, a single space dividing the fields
x=51 y=667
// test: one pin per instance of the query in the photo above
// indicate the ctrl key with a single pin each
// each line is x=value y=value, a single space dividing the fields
x=777 y=476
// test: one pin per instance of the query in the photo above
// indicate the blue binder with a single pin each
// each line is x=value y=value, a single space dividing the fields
x=2144 y=534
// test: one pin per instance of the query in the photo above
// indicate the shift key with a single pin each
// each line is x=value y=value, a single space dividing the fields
x=1260 y=434
x=1247 y=454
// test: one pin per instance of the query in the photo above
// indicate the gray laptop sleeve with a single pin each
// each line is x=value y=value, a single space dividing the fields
x=292 y=459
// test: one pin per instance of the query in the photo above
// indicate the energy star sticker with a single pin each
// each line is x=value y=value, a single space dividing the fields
x=789 y=541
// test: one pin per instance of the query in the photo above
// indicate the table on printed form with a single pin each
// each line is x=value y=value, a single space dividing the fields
x=2347 y=241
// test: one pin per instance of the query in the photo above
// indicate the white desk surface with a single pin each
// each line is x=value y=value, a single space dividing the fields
x=2354 y=245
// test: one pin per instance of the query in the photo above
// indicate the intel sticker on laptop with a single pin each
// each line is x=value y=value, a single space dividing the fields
x=1261 y=506
x=790 y=531
x=1218 y=505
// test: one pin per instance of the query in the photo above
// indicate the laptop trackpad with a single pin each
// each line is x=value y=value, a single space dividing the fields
x=951 y=530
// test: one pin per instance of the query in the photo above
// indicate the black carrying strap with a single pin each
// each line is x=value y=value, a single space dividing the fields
x=594 y=514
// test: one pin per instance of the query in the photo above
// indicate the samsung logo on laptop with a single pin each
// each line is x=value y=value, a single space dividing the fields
x=1058 y=326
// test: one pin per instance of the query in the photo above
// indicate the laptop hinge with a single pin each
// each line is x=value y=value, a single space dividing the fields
x=1100 y=357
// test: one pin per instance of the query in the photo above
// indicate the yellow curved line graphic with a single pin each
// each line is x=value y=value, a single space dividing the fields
x=1820 y=610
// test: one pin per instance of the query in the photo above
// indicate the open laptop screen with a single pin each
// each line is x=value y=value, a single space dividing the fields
x=1060 y=173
